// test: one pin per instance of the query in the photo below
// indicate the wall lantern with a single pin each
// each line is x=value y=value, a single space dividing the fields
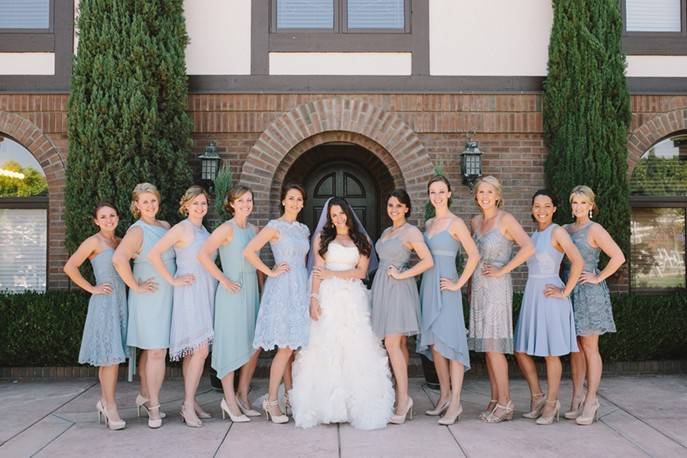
x=471 y=161
x=209 y=163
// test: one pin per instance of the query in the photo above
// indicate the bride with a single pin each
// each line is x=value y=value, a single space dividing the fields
x=343 y=373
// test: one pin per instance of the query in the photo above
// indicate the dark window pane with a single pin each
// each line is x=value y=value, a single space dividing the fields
x=658 y=248
x=305 y=14
x=662 y=171
x=376 y=14
x=24 y=14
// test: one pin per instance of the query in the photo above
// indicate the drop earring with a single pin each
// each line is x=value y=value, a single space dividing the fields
x=590 y=214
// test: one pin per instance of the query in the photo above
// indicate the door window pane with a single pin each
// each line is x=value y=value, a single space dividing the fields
x=23 y=249
x=662 y=171
x=305 y=14
x=658 y=248
x=24 y=14
x=376 y=14
x=652 y=15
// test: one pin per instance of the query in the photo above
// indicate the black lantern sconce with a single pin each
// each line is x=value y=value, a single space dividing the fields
x=209 y=163
x=471 y=161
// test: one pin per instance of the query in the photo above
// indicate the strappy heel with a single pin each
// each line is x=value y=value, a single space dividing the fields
x=279 y=419
x=539 y=402
x=154 y=423
x=507 y=414
x=141 y=403
x=490 y=407
x=547 y=420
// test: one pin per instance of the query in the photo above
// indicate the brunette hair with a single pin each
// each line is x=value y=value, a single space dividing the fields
x=402 y=197
x=104 y=204
x=190 y=194
x=547 y=193
x=495 y=183
x=328 y=233
x=232 y=195
x=286 y=189
x=440 y=179
x=139 y=189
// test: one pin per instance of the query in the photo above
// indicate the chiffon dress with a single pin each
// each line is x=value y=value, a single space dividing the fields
x=235 y=313
x=442 y=324
x=491 y=301
x=104 y=334
x=192 y=325
x=395 y=303
x=342 y=375
x=546 y=326
x=591 y=303
x=284 y=319
x=150 y=313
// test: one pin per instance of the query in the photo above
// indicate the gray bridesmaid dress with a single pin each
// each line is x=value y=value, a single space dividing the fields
x=395 y=303
x=443 y=324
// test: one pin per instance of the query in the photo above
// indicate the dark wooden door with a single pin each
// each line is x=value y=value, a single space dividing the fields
x=343 y=179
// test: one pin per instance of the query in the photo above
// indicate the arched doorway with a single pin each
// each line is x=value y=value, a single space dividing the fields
x=346 y=170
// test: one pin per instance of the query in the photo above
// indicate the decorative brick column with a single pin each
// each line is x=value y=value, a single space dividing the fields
x=336 y=119
x=53 y=162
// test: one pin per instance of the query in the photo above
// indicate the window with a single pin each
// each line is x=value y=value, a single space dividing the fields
x=23 y=219
x=654 y=27
x=658 y=196
x=340 y=16
x=24 y=14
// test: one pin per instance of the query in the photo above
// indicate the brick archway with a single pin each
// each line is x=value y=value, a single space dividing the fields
x=337 y=119
x=649 y=133
x=53 y=162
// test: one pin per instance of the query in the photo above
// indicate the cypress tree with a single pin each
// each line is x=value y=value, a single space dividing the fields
x=127 y=110
x=587 y=111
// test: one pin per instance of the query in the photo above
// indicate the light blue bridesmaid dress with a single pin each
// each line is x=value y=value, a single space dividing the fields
x=104 y=333
x=546 y=326
x=442 y=323
x=235 y=313
x=150 y=314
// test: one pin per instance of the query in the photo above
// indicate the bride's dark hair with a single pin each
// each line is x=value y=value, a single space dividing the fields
x=328 y=233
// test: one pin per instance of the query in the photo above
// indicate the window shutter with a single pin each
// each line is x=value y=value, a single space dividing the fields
x=653 y=15
x=305 y=14
x=376 y=14
x=23 y=249
x=24 y=14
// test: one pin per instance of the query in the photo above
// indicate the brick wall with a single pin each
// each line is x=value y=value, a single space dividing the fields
x=261 y=135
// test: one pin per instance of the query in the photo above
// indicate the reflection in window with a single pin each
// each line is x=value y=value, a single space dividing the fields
x=652 y=15
x=20 y=173
x=658 y=248
x=376 y=14
x=662 y=171
x=23 y=249
x=24 y=14
x=305 y=14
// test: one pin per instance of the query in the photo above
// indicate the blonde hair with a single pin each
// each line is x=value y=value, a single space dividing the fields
x=190 y=194
x=232 y=195
x=495 y=183
x=586 y=191
x=139 y=189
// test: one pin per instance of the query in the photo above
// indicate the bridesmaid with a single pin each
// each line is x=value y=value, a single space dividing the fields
x=104 y=335
x=442 y=335
x=546 y=326
x=591 y=303
x=150 y=298
x=491 y=302
x=191 y=330
x=395 y=300
x=283 y=319
x=236 y=303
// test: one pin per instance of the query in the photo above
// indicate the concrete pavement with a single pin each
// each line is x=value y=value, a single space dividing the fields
x=640 y=417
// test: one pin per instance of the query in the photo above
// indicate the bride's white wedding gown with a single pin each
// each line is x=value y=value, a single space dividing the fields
x=343 y=373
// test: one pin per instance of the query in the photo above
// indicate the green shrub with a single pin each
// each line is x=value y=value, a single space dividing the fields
x=44 y=329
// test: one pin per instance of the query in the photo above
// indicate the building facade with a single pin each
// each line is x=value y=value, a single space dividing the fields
x=359 y=97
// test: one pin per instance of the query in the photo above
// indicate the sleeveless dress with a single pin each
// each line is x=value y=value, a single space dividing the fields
x=235 y=313
x=546 y=326
x=443 y=324
x=395 y=303
x=491 y=301
x=342 y=375
x=104 y=334
x=284 y=319
x=591 y=303
x=193 y=304
x=150 y=314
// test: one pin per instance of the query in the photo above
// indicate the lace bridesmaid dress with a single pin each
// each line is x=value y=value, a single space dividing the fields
x=104 y=334
x=283 y=319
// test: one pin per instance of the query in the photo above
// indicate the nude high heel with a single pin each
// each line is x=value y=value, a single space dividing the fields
x=141 y=403
x=438 y=409
x=539 y=401
x=576 y=410
x=193 y=423
x=114 y=425
x=507 y=414
x=446 y=420
x=279 y=419
x=234 y=418
x=401 y=418
x=247 y=411
x=586 y=419
x=490 y=407
x=547 y=420
x=154 y=423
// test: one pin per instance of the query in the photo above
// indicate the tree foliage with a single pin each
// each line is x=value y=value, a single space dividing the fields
x=587 y=110
x=127 y=118
x=32 y=184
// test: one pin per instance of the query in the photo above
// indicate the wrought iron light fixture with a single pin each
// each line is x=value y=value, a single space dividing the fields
x=471 y=161
x=209 y=163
